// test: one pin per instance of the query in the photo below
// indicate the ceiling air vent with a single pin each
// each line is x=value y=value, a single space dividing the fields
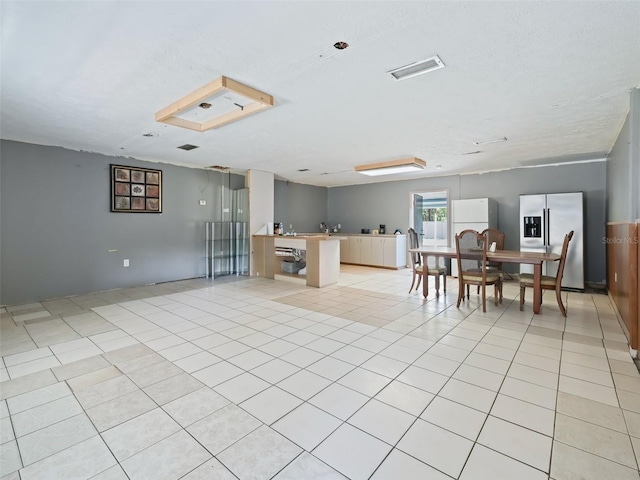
x=417 y=68
x=187 y=147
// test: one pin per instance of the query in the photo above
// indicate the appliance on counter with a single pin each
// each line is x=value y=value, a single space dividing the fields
x=475 y=214
x=383 y=229
x=544 y=221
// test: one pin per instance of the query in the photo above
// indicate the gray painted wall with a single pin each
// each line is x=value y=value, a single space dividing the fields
x=366 y=206
x=303 y=206
x=57 y=229
x=506 y=188
x=623 y=168
x=56 y=226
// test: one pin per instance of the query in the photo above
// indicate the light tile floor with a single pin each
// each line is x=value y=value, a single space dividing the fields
x=250 y=378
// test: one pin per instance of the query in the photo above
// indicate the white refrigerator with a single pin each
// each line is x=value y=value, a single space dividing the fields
x=475 y=214
x=545 y=219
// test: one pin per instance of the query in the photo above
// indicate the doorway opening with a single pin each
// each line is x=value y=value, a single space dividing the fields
x=429 y=217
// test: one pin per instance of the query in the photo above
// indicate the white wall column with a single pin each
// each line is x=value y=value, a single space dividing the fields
x=261 y=201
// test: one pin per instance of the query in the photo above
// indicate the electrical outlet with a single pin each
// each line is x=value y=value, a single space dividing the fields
x=126 y=262
x=203 y=202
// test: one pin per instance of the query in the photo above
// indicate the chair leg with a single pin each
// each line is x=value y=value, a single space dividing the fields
x=413 y=280
x=460 y=291
x=419 y=282
x=560 y=304
x=467 y=290
x=496 y=290
x=444 y=282
x=484 y=298
x=437 y=285
x=521 y=297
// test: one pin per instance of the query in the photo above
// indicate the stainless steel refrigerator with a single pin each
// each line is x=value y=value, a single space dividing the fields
x=544 y=221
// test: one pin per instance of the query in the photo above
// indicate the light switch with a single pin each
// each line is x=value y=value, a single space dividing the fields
x=203 y=202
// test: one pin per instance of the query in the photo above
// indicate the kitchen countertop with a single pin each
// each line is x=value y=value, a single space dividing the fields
x=329 y=236
x=305 y=236
x=368 y=234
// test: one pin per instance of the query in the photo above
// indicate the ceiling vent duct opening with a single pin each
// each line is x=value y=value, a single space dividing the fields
x=417 y=68
x=187 y=147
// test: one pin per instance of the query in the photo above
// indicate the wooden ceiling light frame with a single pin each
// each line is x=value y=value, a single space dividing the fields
x=169 y=114
x=393 y=166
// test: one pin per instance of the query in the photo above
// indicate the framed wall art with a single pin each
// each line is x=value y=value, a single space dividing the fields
x=136 y=190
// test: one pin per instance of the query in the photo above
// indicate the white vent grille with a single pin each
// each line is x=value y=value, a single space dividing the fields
x=417 y=68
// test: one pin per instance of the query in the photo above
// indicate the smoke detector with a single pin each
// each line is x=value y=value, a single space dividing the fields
x=417 y=68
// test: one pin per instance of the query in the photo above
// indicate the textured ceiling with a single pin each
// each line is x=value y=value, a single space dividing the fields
x=552 y=77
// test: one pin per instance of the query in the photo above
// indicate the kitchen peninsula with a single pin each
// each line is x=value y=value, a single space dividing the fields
x=322 y=257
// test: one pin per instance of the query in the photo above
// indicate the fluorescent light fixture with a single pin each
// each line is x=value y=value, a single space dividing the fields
x=417 y=68
x=493 y=140
x=394 y=166
x=217 y=103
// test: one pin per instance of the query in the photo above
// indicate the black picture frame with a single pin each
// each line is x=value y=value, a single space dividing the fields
x=135 y=190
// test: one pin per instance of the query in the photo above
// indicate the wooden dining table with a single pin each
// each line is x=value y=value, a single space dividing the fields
x=500 y=256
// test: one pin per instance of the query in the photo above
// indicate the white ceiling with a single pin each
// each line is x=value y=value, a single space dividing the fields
x=552 y=77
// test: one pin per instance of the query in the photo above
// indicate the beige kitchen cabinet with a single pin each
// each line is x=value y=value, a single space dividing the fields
x=344 y=251
x=354 y=250
x=366 y=257
x=388 y=251
x=377 y=251
x=395 y=252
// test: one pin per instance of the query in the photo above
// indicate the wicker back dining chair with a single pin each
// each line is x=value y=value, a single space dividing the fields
x=548 y=282
x=471 y=255
x=417 y=266
x=495 y=235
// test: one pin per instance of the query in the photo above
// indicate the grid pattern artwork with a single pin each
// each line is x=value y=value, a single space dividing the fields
x=136 y=190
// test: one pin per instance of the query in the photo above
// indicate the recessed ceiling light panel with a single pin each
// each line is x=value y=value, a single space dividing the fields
x=405 y=165
x=417 y=68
